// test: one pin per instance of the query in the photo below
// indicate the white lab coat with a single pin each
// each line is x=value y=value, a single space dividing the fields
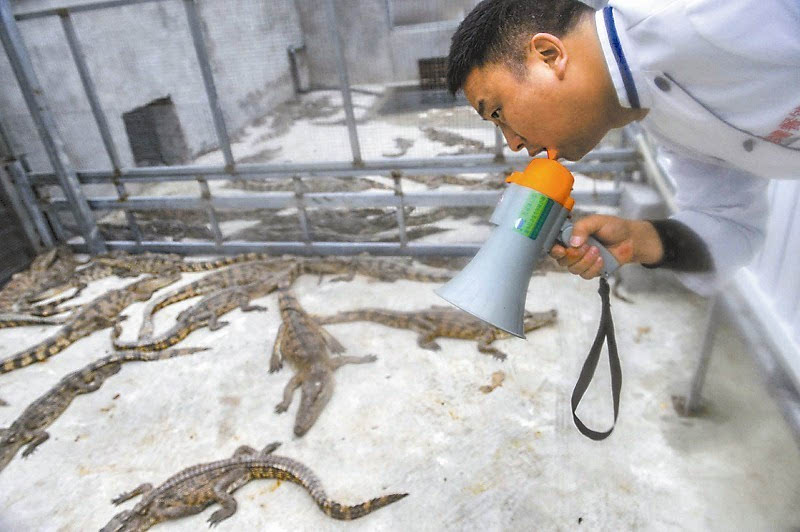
x=721 y=80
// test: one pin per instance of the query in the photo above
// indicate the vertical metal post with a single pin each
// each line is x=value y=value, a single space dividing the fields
x=28 y=199
x=28 y=212
x=344 y=82
x=99 y=117
x=55 y=222
x=19 y=209
x=208 y=80
x=401 y=208
x=691 y=403
x=499 y=145
x=302 y=215
x=46 y=126
x=205 y=193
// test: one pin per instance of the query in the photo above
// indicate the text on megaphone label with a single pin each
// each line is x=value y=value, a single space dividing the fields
x=533 y=215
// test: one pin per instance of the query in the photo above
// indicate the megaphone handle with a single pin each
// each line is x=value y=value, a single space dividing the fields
x=610 y=263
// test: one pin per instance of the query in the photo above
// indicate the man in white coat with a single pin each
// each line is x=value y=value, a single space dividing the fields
x=715 y=82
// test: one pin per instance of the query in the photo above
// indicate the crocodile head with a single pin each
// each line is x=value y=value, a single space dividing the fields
x=315 y=392
x=144 y=288
x=534 y=320
x=130 y=521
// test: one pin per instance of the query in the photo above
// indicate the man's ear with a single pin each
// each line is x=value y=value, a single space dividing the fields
x=550 y=51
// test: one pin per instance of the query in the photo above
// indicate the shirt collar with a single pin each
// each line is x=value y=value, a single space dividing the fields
x=628 y=80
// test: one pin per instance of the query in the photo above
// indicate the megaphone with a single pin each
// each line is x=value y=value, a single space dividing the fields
x=531 y=215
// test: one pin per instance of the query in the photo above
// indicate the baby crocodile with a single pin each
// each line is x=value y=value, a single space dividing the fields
x=28 y=429
x=160 y=262
x=11 y=319
x=197 y=487
x=52 y=266
x=236 y=275
x=439 y=321
x=100 y=313
x=305 y=344
x=205 y=313
x=380 y=268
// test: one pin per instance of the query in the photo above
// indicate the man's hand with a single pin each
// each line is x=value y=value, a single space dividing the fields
x=627 y=240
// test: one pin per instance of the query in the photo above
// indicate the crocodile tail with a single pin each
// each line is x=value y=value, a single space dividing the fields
x=177 y=333
x=170 y=299
x=202 y=266
x=347 y=513
x=38 y=353
x=366 y=314
x=430 y=277
x=142 y=356
x=22 y=322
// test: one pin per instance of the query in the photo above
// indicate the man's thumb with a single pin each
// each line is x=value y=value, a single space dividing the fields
x=585 y=227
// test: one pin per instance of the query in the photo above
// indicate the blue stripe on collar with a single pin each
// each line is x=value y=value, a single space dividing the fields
x=616 y=47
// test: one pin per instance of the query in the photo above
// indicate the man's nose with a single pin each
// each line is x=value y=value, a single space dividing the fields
x=514 y=141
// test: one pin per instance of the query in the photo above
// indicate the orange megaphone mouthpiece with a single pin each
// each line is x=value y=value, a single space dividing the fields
x=548 y=177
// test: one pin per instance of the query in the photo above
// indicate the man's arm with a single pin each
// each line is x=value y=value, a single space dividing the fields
x=719 y=226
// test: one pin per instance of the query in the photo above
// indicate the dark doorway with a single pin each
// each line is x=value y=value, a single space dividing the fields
x=155 y=134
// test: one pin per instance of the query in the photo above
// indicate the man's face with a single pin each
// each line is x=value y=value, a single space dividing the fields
x=537 y=111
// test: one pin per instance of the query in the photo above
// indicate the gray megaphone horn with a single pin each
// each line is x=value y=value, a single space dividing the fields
x=530 y=216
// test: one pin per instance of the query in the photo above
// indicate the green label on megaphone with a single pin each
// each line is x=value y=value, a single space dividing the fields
x=533 y=215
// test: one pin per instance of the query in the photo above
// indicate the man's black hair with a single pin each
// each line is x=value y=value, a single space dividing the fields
x=498 y=31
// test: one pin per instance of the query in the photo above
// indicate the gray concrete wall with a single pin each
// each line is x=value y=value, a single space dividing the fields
x=140 y=53
x=411 y=43
x=365 y=34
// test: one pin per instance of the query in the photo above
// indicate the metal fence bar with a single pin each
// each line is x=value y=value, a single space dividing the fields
x=196 y=29
x=46 y=126
x=20 y=210
x=21 y=194
x=344 y=82
x=401 y=208
x=53 y=11
x=281 y=200
x=499 y=145
x=693 y=398
x=99 y=116
x=302 y=215
x=297 y=248
x=252 y=171
x=205 y=194
x=59 y=231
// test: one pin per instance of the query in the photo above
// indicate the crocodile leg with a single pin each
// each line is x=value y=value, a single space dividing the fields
x=244 y=450
x=338 y=362
x=427 y=340
x=231 y=481
x=288 y=392
x=245 y=306
x=269 y=449
x=142 y=489
x=484 y=347
x=332 y=343
x=213 y=322
x=276 y=360
x=39 y=438
x=427 y=334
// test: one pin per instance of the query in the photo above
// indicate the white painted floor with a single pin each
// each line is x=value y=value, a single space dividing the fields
x=415 y=421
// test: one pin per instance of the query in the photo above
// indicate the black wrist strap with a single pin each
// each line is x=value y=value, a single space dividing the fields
x=605 y=334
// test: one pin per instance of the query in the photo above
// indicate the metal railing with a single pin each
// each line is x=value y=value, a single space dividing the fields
x=762 y=301
x=45 y=213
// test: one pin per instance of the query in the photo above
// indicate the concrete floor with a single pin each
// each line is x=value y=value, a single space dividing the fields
x=415 y=421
